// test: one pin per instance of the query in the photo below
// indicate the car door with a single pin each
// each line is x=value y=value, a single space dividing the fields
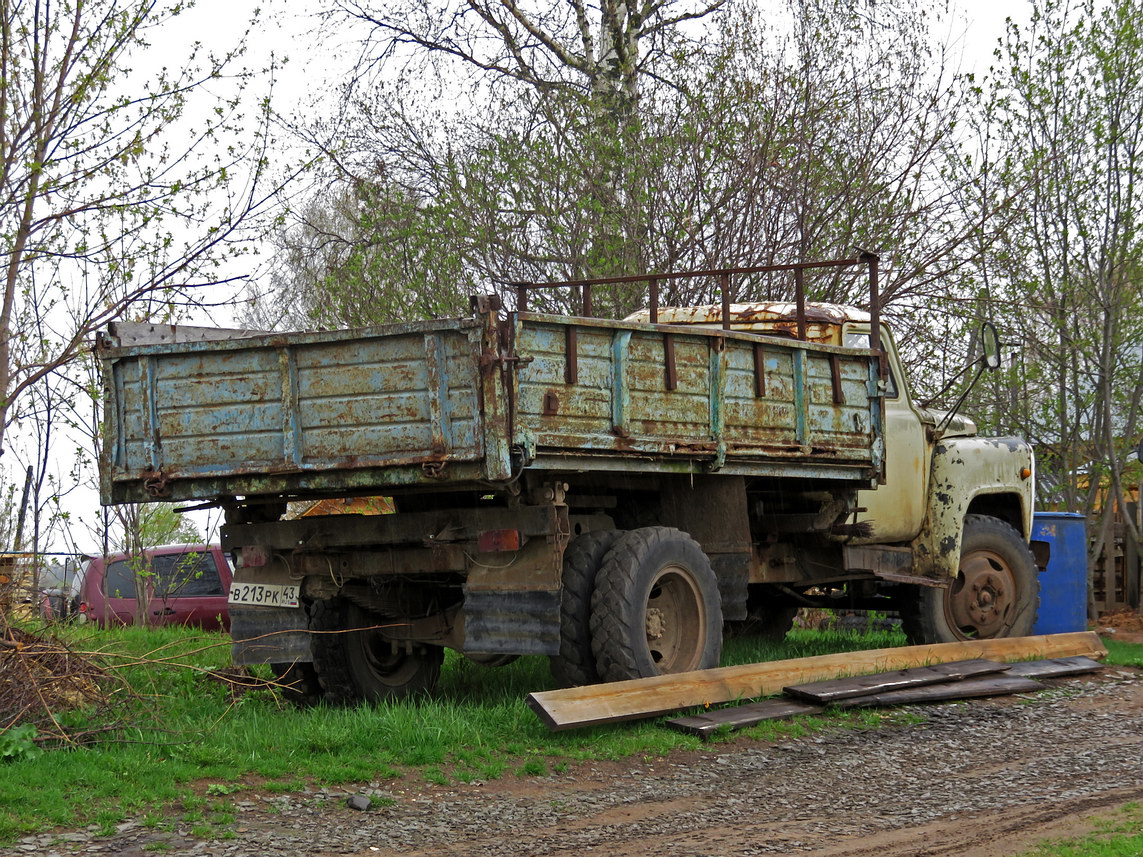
x=118 y=591
x=189 y=588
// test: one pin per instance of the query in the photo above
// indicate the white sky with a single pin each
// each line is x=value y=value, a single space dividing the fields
x=288 y=29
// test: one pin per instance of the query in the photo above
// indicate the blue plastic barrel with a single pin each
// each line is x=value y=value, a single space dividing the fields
x=1063 y=586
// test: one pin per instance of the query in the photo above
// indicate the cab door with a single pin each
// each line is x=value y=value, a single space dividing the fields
x=896 y=510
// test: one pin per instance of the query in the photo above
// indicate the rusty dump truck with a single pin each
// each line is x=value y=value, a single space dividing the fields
x=608 y=493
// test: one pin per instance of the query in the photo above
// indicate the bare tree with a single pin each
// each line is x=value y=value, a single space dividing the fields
x=601 y=51
x=748 y=145
x=119 y=194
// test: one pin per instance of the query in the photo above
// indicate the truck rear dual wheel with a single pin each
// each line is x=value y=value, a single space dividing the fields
x=575 y=664
x=996 y=592
x=656 y=608
x=361 y=664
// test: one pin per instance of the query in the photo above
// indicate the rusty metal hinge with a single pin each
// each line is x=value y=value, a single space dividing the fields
x=156 y=484
x=503 y=361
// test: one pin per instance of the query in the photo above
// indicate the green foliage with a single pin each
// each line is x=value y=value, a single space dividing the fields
x=1060 y=121
x=115 y=202
x=160 y=524
x=18 y=743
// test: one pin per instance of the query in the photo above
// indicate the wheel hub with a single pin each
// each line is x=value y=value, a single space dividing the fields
x=674 y=621
x=655 y=625
x=982 y=599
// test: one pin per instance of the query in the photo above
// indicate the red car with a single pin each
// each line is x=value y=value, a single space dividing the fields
x=186 y=585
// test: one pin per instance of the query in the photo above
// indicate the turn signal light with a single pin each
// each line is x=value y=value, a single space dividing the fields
x=492 y=541
x=1025 y=472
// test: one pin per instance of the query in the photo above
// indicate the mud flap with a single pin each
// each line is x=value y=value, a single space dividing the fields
x=512 y=623
x=269 y=635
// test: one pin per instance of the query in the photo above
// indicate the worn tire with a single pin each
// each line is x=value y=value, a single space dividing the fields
x=327 y=645
x=361 y=665
x=379 y=670
x=575 y=664
x=656 y=607
x=298 y=683
x=996 y=592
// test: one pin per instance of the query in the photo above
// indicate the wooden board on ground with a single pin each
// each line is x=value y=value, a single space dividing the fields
x=824 y=692
x=971 y=688
x=1055 y=667
x=711 y=722
x=647 y=697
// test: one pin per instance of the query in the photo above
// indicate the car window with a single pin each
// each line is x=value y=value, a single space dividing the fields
x=119 y=581
x=186 y=575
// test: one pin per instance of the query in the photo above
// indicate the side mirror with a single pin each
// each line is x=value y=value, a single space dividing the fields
x=990 y=358
x=990 y=343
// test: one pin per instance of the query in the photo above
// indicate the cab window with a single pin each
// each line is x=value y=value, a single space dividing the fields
x=853 y=339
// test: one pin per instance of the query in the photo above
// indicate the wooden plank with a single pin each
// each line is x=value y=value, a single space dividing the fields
x=739 y=717
x=825 y=692
x=989 y=685
x=1055 y=667
x=648 y=697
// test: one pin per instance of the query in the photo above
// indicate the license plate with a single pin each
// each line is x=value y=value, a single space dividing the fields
x=264 y=594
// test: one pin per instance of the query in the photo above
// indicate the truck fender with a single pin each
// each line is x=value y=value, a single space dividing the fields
x=972 y=475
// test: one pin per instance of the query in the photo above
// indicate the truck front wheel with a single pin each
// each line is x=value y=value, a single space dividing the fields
x=996 y=592
x=656 y=607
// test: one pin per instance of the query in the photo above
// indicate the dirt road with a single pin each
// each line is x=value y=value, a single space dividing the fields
x=978 y=779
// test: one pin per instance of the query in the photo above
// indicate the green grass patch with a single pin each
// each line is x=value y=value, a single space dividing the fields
x=191 y=747
x=1116 y=835
x=185 y=728
x=1123 y=654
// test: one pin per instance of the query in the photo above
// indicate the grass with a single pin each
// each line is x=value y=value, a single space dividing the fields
x=1118 y=835
x=1124 y=654
x=194 y=749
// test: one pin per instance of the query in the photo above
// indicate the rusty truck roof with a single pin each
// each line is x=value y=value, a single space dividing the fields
x=823 y=321
x=751 y=313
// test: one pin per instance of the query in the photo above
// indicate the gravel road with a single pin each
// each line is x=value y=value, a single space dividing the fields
x=977 y=779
